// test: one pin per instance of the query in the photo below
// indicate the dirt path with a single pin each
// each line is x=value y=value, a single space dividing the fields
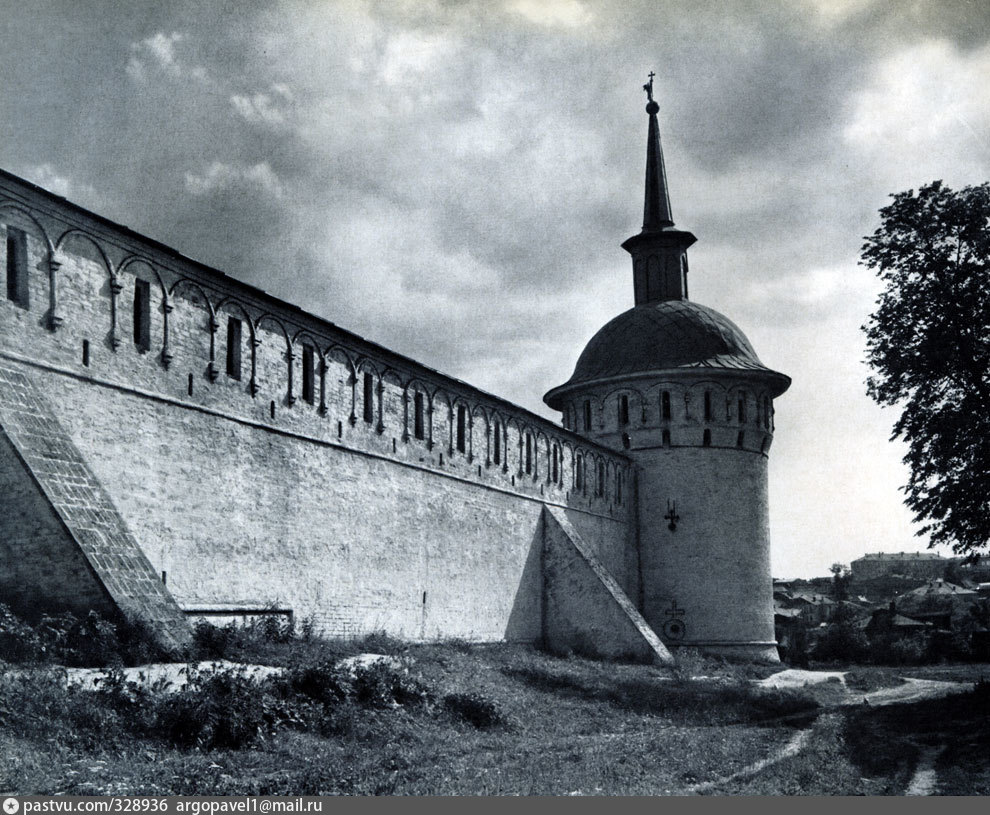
x=924 y=780
x=792 y=748
x=913 y=690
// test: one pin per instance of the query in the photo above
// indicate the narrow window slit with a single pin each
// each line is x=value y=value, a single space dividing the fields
x=17 y=276
x=461 y=427
x=308 y=372
x=142 y=314
x=234 y=348
x=419 y=422
x=85 y=353
x=623 y=410
x=369 y=396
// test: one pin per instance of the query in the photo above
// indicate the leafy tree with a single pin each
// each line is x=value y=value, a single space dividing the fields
x=952 y=573
x=928 y=342
x=840 y=581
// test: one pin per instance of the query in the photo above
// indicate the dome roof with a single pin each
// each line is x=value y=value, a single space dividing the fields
x=664 y=336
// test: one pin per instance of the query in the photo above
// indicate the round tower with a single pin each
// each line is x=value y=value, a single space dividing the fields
x=677 y=387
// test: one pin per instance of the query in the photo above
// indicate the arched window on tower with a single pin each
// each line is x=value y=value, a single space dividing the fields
x=579 y=473
x=742 y=407
x=497 y=445
x=600 y=481
x=623 y=410
x=555 y=464
x=708 y=406
x=587 y=414
x=665 y=405
x=529 y=454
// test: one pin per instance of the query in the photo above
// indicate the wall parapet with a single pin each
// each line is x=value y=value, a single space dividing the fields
x=108 y=303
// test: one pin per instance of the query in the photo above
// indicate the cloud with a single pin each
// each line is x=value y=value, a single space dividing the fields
x=924 y=113
x=158 y=53
x=220 y=176
x=44 y=175
x=261 y=107
x=552 y=13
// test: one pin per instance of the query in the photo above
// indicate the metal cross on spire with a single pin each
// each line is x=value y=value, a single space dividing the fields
x=648 y=87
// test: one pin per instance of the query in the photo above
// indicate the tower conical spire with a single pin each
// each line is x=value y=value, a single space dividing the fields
x=659 y=252
x=656 y=209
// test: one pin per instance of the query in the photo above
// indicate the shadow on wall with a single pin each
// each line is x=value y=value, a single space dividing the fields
x=526 y=617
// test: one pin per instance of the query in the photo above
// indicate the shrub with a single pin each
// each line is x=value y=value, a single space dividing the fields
x=274 y=628
x=324 y=683
x=474 y=709
x=223 y=709
x=381 y=686
x=900 y=650
x=214 y=642
x=92 y=641
x=842 y=642
x=19 y=642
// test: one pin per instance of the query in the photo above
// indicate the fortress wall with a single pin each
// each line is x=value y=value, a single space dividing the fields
x=242 y=516
x=245 y=492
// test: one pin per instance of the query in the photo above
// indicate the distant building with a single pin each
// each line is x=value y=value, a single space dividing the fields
x=918 y=565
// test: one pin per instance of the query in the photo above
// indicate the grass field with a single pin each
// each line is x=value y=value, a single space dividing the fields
x=531 y=724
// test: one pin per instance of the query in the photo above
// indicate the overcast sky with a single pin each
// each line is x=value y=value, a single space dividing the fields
x=453 y=179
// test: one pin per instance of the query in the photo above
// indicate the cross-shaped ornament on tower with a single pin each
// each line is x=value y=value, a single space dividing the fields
x=648 y=87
